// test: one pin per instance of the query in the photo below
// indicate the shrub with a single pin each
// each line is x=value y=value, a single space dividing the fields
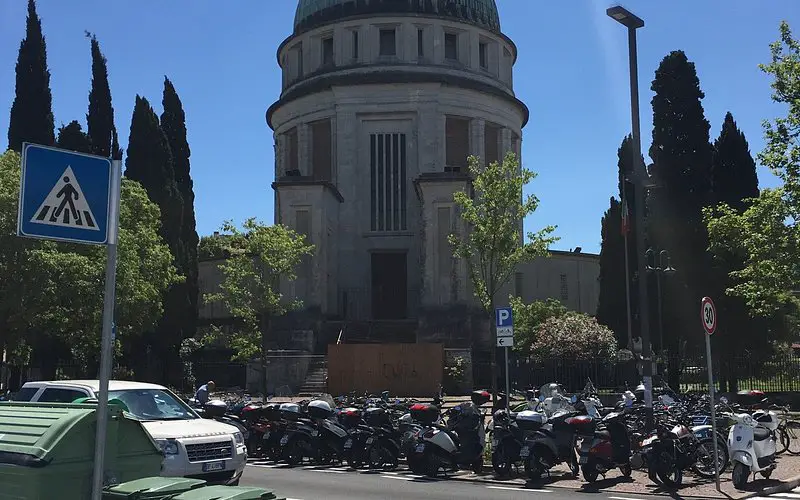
x=573 y=336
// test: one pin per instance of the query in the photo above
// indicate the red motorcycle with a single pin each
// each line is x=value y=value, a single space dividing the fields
x=605 y=445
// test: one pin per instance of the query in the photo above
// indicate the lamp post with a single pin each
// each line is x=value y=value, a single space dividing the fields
x=662 y=267
x=640 y=177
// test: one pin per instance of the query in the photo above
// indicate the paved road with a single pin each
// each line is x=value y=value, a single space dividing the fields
x=339 y=483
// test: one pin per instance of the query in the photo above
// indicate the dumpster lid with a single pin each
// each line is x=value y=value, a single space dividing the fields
x=227 y=493
x=29 y=431
x=154 y=487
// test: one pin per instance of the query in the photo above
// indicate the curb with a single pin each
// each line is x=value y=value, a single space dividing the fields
x=788 y=485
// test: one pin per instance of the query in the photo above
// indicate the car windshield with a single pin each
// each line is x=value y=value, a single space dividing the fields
x=153 y=404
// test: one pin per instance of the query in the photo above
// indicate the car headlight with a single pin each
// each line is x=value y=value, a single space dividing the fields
x=238 y=437
x=168 y=446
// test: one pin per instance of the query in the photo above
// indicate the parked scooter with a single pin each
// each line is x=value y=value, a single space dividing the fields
x=218 y=410
x=554 y=442
x=752 y=445
x=459 y=445
x=605 y=443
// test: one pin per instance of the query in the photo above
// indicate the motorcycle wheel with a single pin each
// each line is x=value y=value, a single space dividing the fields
x=590 y=472
x=705 y=467
x=381 y=458
x=572 y=463
x=741 y=473
x=477 y=466
x=295 y=454
x=669 y=474
x=501 y=463
x=626 y=470
x=416 y=465
x=432 y=465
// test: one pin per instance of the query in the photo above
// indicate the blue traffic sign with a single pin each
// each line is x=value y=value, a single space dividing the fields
x=64 y=196
x=503 y=317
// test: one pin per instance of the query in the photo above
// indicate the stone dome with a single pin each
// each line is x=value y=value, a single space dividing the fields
x=315 y=13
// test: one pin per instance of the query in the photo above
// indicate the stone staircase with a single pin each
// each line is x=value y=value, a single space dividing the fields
x=316 y=379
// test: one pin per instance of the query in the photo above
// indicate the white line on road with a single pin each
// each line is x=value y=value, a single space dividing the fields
x=331 y=471
x=624 y=498
x=787 y=495
x=518 y=489
x=401 y=478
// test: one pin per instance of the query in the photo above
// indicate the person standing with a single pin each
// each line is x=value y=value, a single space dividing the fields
x=203 y=393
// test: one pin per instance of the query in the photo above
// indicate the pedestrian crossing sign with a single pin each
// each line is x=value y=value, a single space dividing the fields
x=64 y=196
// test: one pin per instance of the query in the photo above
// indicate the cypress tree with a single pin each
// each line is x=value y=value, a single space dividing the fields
x=682 y=156
x=734 y=180
x=100 y=118
x=611 y=306
x=173 y=122
x=32 y=111
x=149 y=162
x=73 y=138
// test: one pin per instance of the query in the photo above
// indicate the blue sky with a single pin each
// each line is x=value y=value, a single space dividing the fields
x=571 y=72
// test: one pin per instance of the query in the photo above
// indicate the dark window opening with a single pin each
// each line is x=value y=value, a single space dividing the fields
x=491 y=146
x=483 y=53
x=355 y=45
x=388 y=205
x=300 y=60
x=292 y=167
x=389 y=285
x=564 y=288
x=451 y=46
x=327 y=51
x=420 y=43
x=456 y=144
x=322 y=150
x=388 y=43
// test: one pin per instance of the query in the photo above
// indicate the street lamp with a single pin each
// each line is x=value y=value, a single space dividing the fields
x=639 y=174
x=664 y=268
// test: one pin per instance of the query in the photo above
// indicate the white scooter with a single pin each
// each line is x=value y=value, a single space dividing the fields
x=751 y=445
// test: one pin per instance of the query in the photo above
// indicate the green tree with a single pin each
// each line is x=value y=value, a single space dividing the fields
x=73 y=138
x=612 y=310
x=35 y=304
x=573 y=336
x=682 y=155
x=100 y=119
x=173 y=122
x=492 y=244
x=260 y=258
x=528 y=317
x=32 y=110
x=766 y=235
x=149 y=161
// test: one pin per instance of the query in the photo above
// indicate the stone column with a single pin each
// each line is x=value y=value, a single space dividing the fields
x=280 y=155
x=505 y=142
x=304 y=149
x=477 y=138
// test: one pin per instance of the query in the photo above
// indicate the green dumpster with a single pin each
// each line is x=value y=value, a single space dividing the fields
x=227 y=493
x=47 y=450
x=151 y=488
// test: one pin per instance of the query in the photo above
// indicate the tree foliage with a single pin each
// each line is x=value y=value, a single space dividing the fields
x=612 y=309
x=73 y=138
x=100 y=118
x=32 y=110
x=573 y=336
x=55 y=290
x=260 y=258
x=528 y=318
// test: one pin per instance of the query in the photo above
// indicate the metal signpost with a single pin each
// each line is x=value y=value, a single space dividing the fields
x=74 y=197
x=708 y=316
x=504 y=323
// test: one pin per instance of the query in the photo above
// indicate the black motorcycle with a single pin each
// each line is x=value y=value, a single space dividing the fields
x=552 y=444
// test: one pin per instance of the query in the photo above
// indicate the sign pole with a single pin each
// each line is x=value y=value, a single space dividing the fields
x=508 y=386
x=107 y=342
x=708 y=317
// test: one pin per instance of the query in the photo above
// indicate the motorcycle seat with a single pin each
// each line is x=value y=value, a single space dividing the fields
x=761 y=434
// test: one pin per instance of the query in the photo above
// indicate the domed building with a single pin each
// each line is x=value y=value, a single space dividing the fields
x=381 y=103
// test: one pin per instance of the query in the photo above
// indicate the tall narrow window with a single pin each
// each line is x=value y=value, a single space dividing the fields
x=327 y=51
x=491 y=143
x=304 y=274
x=388 y=205
x=420 y=43
x=322 y=150
x=291 y=153
x=451 y=46
x=456 y=143
x=355 y=44
x=483 y=55
x=300 y=60
x=564 y=288
x=518 y=283
x=388 y=42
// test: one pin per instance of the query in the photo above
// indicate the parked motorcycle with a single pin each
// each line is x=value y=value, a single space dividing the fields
x=553 y=443
x=752 y=445
x=605 y=443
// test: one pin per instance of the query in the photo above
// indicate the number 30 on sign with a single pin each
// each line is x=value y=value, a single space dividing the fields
x=708 y=315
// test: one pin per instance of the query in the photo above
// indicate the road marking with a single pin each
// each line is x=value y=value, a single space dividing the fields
x=401 y=478
x=624 y=498
x=518 y=489
x=787 y=495
x=331 y=471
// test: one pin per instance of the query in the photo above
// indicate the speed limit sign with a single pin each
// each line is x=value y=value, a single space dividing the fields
x=708 y=315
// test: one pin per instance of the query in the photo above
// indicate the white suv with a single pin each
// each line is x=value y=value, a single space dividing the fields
x=193 y=447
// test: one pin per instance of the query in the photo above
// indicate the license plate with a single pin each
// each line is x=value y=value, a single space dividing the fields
x=420 y=448
x=348 y=444
x=524 y=452
x=370 y=440
x=213 y=466
x=284 y=440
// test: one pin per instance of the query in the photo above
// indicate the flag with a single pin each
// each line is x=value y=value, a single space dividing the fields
x=626 y=218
